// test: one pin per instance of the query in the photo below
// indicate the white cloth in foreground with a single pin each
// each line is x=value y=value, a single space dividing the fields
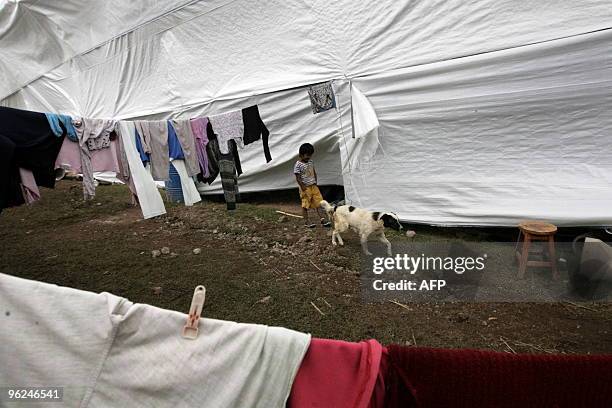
x=149 y=198
x=108 y=352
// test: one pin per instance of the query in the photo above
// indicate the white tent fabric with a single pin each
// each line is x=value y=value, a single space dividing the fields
x=365 y=127
x=490 y=111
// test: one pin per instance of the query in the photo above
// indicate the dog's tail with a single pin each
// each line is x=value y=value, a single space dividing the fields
x=327 y=207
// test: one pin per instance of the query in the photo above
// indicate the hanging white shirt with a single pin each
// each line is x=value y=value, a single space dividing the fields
x=149 y=198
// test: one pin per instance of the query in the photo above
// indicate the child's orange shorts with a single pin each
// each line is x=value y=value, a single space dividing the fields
x=311 y=197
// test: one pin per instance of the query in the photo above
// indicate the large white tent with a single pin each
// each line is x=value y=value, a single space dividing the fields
x=490 y=111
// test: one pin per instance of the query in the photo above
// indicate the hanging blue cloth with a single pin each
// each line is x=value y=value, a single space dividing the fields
x=55 y=119
x=144 y=157
x=175 y=151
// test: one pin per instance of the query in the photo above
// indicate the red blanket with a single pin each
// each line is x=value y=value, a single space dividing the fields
x=427 y=377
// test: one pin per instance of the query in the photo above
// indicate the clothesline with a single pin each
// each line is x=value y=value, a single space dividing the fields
x=139 y=152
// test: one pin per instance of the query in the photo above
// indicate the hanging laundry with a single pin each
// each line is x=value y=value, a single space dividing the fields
x=428 y=377
x=191 y=195
x=321 y=97
x=228 y=126
x=105 y=350
x=255 y=129
x=185 y=136
x=144 y=155
x=26 y=141
x=338 y=374
x=93 y=134
x=60 y=124
x=198 y=129
x=175 y=151
x=154 y=138
x=229 y=178
x=213 y=154
x=234 y=152
x=124 y=169
x=69 y=158
x=149 y=198
x=29 y=188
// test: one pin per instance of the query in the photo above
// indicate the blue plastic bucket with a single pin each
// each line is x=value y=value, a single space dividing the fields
x=174 y=191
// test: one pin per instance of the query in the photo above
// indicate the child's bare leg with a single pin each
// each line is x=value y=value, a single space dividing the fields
x=305 y=215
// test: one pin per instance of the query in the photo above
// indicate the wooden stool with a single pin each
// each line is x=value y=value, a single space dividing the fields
x=536 y=231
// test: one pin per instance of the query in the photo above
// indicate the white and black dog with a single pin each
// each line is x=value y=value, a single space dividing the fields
x=363 y=222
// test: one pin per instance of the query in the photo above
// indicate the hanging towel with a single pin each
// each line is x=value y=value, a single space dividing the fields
x=198 y=128
x=149 y=198
x=26 y=141
x=93 y=134
x=428 y=377
x=60 y=124
x=187 y=141
x=228 y=126
x=255 y=128
x=109 y=352
x=190 y=191
x=321 y=97
x=154 y=138
x=337 y=374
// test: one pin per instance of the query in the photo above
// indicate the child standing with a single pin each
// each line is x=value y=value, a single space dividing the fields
x=306 y=177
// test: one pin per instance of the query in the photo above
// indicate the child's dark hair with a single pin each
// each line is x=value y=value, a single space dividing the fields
x=306 y=148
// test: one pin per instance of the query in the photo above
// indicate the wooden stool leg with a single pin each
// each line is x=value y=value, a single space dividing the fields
x=524 y=255
x=553 y=256
x=518 y=241
x=516 y=248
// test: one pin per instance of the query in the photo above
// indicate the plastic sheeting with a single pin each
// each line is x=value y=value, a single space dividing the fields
x=490 y=111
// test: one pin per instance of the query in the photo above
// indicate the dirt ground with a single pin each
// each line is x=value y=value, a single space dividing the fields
x=258 y=269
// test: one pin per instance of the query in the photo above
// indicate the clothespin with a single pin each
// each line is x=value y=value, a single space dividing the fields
x=190 y=331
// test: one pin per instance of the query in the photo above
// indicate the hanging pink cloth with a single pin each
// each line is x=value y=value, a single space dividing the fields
x=338 y=374
x=69 y=157
x=29 y=188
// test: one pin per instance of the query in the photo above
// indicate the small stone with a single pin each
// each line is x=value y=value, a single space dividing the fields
x=173 y=255
x=282 y=218
x=197 y=251
x=410 y=234
x=165 y=250
x=157 y=290
x=155 y=253
x=215 y=231
x=265 y=299
x=98 y=204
